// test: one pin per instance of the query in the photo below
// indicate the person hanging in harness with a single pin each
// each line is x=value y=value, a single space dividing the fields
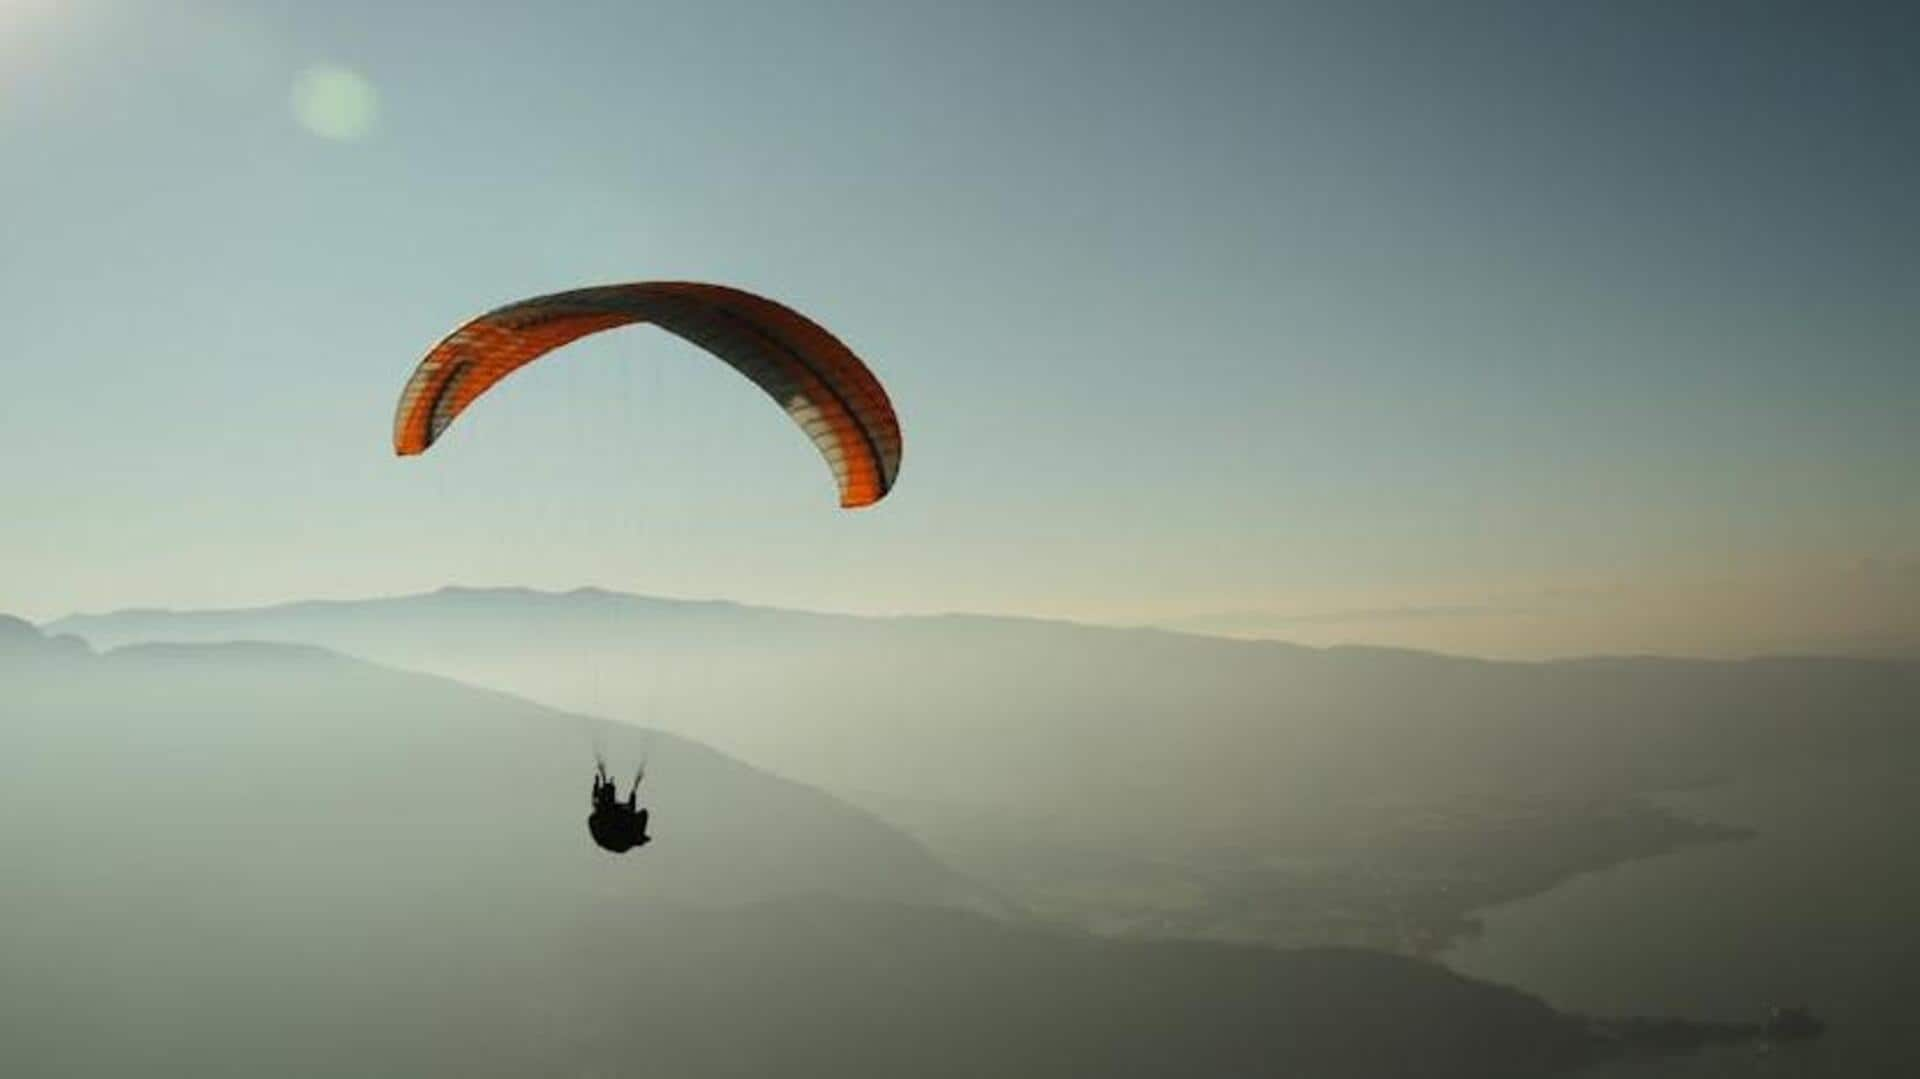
x=617 y=826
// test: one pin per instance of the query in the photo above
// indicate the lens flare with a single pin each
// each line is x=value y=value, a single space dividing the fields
x=335 y=103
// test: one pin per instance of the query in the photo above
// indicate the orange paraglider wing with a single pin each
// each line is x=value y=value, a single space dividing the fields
x=820 y=383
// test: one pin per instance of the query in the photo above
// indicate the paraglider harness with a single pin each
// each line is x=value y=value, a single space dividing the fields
x=617 y=826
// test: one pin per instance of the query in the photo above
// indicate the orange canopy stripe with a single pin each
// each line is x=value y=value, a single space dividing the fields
x=826 y=390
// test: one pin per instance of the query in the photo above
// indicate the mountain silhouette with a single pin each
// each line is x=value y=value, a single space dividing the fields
x=223 y=857
x=1136 y=735
x=227 y=857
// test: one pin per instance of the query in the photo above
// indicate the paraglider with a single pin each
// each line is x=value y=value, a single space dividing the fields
x=617 y=826
x=822 y=386
x=826 y=390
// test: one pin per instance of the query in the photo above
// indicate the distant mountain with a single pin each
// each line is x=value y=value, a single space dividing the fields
x=1142 y=734
x=1147 y=782
x=21 y=642
x=322 y=768
x=223 y=859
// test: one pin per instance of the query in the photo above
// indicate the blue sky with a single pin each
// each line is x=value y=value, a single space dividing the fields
x=1334 y=322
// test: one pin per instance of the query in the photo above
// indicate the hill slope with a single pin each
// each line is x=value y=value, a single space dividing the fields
x=1150 y=782
x=323 y=768
x=1117 y=727
x=243 y=858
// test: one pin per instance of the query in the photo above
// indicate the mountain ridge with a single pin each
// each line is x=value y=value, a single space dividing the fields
x=1069 y=766
x=80 y=621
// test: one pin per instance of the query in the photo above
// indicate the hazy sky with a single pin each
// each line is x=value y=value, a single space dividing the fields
x=1514 y=329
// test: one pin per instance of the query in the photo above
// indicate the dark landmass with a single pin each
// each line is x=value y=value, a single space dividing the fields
x=1660 y=1034
x=896 y=991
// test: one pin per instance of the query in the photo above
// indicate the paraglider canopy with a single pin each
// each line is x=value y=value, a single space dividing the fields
x=816 y=379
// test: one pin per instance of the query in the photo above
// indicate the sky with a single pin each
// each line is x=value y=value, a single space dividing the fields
x=1504 y=329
